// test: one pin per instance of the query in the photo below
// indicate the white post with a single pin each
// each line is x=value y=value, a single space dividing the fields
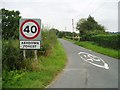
x=36 y=59
x=24 y=54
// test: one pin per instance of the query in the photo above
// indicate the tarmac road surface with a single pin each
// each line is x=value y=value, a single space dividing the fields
x=86 y=69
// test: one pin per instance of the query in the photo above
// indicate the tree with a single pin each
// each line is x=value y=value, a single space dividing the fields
x=81 y=26
x=88 y=27
x=10 y=23
x=56 y=31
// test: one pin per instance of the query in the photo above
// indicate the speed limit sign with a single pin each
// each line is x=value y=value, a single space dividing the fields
x=30 y=29
x=30 y=33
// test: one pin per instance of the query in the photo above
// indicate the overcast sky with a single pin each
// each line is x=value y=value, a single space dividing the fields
x=59 y=13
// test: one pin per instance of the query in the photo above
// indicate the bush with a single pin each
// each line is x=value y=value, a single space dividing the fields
x=11 y=77
x=30 y=65
x=110 y=41
x=48 y=41
x=12 y=56
x=29 y=53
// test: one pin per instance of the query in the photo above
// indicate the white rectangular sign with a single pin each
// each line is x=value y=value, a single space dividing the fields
x=29 y=44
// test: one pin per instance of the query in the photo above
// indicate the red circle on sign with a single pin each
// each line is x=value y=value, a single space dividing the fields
x=35 y=34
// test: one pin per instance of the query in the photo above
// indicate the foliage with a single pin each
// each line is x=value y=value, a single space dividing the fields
x=13 y=76
x=90 y=30
x=93 y=46
x=11 y=55
x=48 y=68
x=48 y=41
x=17 y=66
x=30 y=65
x=25 y=72
x=66 y=34
x=10 y=23
x=109 y=41
x=88 y=27
x=56 y=31
x=61 y=34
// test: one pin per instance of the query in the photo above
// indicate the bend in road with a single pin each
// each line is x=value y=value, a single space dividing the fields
x=81 y=74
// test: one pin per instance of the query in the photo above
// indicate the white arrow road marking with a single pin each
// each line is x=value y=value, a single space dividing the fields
x=92 y=59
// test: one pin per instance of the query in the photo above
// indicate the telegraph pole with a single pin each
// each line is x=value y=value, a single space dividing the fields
x=65 y=31
x=73 y=27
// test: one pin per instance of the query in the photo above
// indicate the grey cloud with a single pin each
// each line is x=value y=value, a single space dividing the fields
x=60 y=12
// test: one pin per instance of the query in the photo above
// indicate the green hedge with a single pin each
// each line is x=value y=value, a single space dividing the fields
x=110 y=41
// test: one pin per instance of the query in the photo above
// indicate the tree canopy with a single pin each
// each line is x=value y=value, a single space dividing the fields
x=89 y=26
x=10 y=23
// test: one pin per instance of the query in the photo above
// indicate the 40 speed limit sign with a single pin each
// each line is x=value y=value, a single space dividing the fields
x=30 y=33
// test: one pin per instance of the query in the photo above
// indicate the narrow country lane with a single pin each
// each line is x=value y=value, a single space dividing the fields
x=83 y=72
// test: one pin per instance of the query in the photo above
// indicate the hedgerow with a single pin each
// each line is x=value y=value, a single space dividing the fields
x=110 y=41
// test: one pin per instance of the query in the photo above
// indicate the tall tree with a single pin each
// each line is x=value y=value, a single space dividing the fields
x=89 y=27
x=10 y=23
x=81 y=26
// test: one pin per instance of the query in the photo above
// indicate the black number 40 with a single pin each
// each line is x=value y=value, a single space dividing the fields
x=33 y=29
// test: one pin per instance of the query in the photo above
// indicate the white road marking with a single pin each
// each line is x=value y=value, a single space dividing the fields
x=91 y=58
x=84 y=55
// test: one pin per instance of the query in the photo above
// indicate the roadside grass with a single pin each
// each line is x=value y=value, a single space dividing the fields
x=50 y=66
x=106 y=51
x=93 y=46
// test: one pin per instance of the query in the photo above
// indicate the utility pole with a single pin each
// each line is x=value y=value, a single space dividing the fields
x=65 y=31
x=73 y=27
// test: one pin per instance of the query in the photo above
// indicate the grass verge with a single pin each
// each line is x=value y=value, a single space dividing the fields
x=92 y=46
x=50 y=66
